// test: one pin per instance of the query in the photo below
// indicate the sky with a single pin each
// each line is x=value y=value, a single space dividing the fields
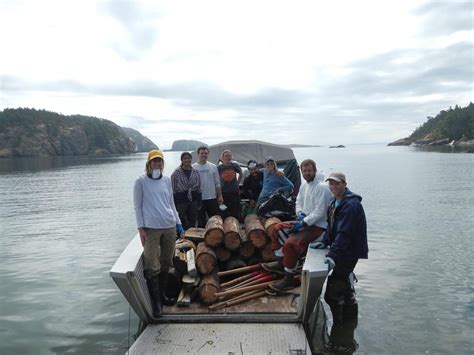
x=287 y=72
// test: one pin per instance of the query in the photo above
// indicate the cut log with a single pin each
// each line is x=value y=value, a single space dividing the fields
x=232 y=239
x=255 y=231
x=247 y=249
x=270 y=225
x=190 y=258
x=214 y=231
x=235 y=263
x=223 y=254
x=206 y=260
x=267 y=253
x=179 y=261
x=208 y=288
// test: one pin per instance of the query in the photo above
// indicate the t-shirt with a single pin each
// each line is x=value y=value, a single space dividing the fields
x=209 y=179
x=228 y=176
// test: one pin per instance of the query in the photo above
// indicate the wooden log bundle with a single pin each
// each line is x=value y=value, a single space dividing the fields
x=232 y=238
x=208 y=288
x=267 y=253
x=255 y=231
x=270 y=225
x=234 y=263
x=247 y=249
x=223 y=254
x=206 y=259
x=214 y=231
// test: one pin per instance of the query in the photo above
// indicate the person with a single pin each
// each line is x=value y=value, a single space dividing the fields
x=273 y=181
x=231 y=175
x=290 y=244
x=158 y=223
x=347 y=240
x=253 y=183
x=187 y=195
x=210 y=187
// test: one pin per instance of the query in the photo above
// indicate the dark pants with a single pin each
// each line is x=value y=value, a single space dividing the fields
x=187 y=213
x=295 y=245
x=232 y=201
x=339 y=291
x=208 y=209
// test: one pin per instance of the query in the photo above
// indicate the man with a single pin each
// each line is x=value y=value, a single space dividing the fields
x=347 y=239
x=210 y=187
x=291 y=244
x=252 y=183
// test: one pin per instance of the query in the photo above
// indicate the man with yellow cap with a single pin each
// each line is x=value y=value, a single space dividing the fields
x=158 y=224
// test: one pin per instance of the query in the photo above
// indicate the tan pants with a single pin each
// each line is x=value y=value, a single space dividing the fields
x=158 y=251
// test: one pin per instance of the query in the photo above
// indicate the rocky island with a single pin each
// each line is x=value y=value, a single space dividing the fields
x=450 y=128
x=30 y=132
x=186 y=145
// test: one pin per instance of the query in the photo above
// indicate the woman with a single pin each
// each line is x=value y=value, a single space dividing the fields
x=157 y=222
x=228 y=172
x=186 y=191
x=274 y=181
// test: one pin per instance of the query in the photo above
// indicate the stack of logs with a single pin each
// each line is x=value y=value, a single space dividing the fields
x=228 y=250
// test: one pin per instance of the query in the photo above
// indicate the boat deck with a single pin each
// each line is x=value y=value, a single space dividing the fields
x=218 y=338
x=287 y=303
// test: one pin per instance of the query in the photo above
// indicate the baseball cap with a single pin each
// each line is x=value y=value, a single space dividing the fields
x=337 y=176
x=267 y=159
x=155 y=154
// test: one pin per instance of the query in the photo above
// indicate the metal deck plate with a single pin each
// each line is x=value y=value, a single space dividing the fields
x=227 y=338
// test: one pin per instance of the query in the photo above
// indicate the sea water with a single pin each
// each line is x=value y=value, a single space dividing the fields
x=64 y=221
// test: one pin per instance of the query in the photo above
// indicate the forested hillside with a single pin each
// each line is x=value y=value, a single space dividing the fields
x=31 y=132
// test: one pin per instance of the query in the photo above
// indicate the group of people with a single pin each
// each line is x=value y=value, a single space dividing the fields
x=328 y=215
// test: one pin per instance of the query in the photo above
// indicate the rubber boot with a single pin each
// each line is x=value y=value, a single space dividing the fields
x=154 y=289
x=286 y=283
x=167 y=301
x=275 y=267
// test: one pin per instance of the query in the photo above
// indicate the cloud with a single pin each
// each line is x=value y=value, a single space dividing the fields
x=139 y=23
x=446 y=17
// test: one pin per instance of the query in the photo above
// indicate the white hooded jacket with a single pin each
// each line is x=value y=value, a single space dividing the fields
x=313 y=200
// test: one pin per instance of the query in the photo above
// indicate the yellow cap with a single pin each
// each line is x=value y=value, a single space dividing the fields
x=155 y=154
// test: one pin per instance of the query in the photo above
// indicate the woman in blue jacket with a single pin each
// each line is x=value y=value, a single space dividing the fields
x=273 y=181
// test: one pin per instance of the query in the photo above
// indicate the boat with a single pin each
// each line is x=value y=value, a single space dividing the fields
x=292 y=323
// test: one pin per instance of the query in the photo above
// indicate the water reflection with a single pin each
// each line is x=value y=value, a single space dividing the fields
x=30 y=164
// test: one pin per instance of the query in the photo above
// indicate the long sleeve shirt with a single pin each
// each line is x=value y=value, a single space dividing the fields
x=313 y=199
x=273 y=182
x=154 y=204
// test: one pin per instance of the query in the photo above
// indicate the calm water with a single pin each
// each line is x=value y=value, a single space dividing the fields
x=63 y=223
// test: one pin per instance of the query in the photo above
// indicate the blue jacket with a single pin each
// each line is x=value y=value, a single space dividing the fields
x=347 y=229
x=271 y=183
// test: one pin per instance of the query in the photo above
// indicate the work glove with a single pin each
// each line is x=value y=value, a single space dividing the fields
x=318 y=245
x=179 y=229
x=301 y=216
x=331 y=263
x=297 y=227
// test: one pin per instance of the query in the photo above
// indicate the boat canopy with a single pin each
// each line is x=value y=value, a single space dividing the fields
x=245 y=150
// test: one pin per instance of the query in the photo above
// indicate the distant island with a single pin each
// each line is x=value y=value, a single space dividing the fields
x=186 y=145
x=452 y=127
x=337 y=146
x=302 y=145
x=28 y=132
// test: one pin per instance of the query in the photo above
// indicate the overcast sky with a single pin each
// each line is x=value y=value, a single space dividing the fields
x=310 y=72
